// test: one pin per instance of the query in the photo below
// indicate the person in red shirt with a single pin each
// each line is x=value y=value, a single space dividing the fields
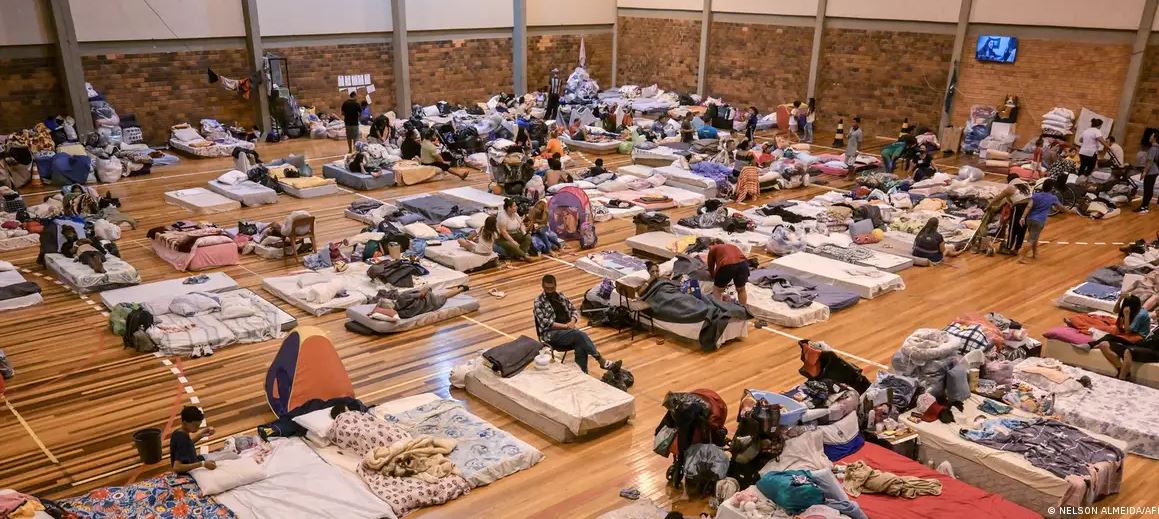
x=728 y=265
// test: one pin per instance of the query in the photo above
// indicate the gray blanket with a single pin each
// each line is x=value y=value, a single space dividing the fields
x=510 y=358
x=668 y=303
x=785 y=291
x=1050 y=445
x=434 y=209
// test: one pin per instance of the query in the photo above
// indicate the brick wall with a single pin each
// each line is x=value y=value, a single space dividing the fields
x=459 y=71
x=164 y=89
x=664 y=52
x=758 y=65
x=30 y=92
x=314 y=73
x=884 y=77
x=1047 y=73
x=1145 y=109
x=561 y=51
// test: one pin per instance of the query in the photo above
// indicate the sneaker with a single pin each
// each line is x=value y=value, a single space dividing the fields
x=1142 y=210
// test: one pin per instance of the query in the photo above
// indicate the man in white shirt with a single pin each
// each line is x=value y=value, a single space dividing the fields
x=1089 y=142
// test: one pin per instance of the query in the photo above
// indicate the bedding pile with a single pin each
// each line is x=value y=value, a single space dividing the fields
x=200 y=323
x=216 y=143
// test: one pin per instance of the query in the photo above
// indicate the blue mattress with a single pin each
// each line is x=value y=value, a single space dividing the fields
x=359 y=181
x=1097 y=291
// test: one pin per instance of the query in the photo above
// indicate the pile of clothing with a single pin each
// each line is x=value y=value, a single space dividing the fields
x=933 y=358
x=580 y=86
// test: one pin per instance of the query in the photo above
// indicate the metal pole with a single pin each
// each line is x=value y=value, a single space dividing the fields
x=68 y=55
x=702 y=69
x=255 y=54
x=401 y=52
x=519 y=48
x=955 y=58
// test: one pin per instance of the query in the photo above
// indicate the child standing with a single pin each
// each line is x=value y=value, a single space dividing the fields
x=751 y=125
x=803 y=129
x=1034 y=219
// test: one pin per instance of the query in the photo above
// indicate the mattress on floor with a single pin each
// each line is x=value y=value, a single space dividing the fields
x=998 y=464
x=183 y=335
x=435 y=208
x=1117 y=408
x=682 y=197
x=166 y=290
x=475 y=195
x=820 y=244
x=359 y=181
x=655 y=243
x=610 y=264
x=118 y=273
x=762 y=306
x=891 y=244
x=1083 y=356
x=202 y=257
x=1072 y=300
x=561 y=401
x=450 y=254
x=218 y=149
x=359 y=217
x=615 y=212
x=657 y=157
x=633 y=197
x=746 y=241
x=13 y=277
x=19 y=242
x=360 y=288
x=247 y=192
x=635 y=170
x=599 y=148
x=455 y=306
x=309 y=187
x=735 y=329
x=866 y=282
x=677 y=175
x=201 y=200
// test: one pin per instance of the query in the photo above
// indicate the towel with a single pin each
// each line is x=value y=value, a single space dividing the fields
x=424 y=457
x=860 y=478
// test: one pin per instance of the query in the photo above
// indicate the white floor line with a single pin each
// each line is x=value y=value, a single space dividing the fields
x=858 y=358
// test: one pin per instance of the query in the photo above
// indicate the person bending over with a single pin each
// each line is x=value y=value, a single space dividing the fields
x=1034 y=219
x=182 y=442
x=557 y=324
x=1120 y=352
x=728 y=265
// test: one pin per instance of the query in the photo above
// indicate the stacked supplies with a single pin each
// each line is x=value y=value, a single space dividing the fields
x=1058 y=122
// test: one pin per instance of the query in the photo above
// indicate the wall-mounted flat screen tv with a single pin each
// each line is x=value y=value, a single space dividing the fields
x=1001 y=49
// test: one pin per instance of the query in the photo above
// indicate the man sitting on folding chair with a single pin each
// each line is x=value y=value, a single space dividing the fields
x=557 y=324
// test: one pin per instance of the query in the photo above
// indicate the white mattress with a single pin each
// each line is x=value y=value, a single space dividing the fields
x=866 y=282
x=735 y=329
x=762 y=306
x=460 y=304
x=81 y=277
x=594 y=264
x=635 y=170
x=1081 y=303
x=452 y=255
x=12 y=277
x=300 y=483
x=19 y=242
x=201 y=200
x=656 y=243
x=311 y=192
x=678 y=176
x=877 y=259
x=746 y=241
x=682 y=197
x=166 y=290
x=616 y=212
x=217 y=150
x=603 y=147
x=247 y=192
x=359 y=287
x=180 y=335
x=475 y=195
x=562 y=394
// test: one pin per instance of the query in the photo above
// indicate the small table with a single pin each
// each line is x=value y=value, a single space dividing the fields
x=906 y=445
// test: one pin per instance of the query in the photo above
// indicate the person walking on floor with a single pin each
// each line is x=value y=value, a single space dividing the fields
x=1089 y=142
x=1034 y=218
x=351 y=112
x=557 y=324
x=728 y=266
x=1150 y=173
x=853 y=142
x=554 y=89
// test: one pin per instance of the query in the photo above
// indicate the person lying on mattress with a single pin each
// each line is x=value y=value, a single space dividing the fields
x=85 y=251
x=557 y=324
x=393 y=305
x=1122 y=352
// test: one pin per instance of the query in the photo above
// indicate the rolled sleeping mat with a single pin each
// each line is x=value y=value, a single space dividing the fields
x=999 y=164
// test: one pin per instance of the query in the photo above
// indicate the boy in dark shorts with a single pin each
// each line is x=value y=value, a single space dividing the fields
x=728 y=265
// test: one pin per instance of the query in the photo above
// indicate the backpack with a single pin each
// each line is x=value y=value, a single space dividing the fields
x=587 y=232
x=138 y=320
x=142 y=342
x=119 y=316
x=619 y=378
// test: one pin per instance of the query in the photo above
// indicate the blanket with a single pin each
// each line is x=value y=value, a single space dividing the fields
x=183 y=240
x=424 y=458
x=861 y=478
x=668 y=303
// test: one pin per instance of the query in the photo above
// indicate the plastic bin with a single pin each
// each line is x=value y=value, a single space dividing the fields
x=791 y=410
x=148 y=444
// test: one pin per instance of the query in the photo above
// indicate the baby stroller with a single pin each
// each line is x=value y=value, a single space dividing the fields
x=693 y=419
x=510 y=171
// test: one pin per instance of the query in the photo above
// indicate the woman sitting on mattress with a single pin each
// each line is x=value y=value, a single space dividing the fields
x=392 y=305
x=411 y=146
x=1120 y=350
x=482 y=241
x=429 y=155
x=554 y=146
x=543 y=239
x=930 y=244
x=514 y=242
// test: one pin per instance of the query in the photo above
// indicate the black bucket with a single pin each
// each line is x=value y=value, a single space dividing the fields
x=148 y=444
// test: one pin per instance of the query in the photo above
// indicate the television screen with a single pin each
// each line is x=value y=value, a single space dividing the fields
x=1001 y=49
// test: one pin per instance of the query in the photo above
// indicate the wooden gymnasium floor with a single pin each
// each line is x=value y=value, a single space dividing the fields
x=78 y=396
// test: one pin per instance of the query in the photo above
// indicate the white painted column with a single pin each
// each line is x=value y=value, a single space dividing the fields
x=400 y=49
x=259 y=91
x=705 y=26
x=68 y=55
x=815 y=57
x=519 y=48
x=1134 y=69
x=955 y=59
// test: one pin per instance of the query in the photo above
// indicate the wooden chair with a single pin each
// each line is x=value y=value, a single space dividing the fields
x=300 y=229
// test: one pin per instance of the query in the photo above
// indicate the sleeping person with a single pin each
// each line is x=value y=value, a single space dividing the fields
x=393 y=305
x=83 y=250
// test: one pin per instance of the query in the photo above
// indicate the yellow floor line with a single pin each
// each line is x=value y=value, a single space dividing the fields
x=31 y=433
x=489 y=327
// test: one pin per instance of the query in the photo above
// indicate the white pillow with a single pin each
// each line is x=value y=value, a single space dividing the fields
x=613 y=186
x=236 y=310
x=312 y=278
x=186 y=134
x=5 y=266
x=318 y=423
x=806 y=451
x=431 y=111
x=193 y=303
x=232 y=177
x=421 y=231
x=228 y=475
x=456 y=222
x=584 y=184
x=477 y=220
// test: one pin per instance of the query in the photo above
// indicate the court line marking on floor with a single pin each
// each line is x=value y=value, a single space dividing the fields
x=28 y=429
x=489 y=327
x=835 y=350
